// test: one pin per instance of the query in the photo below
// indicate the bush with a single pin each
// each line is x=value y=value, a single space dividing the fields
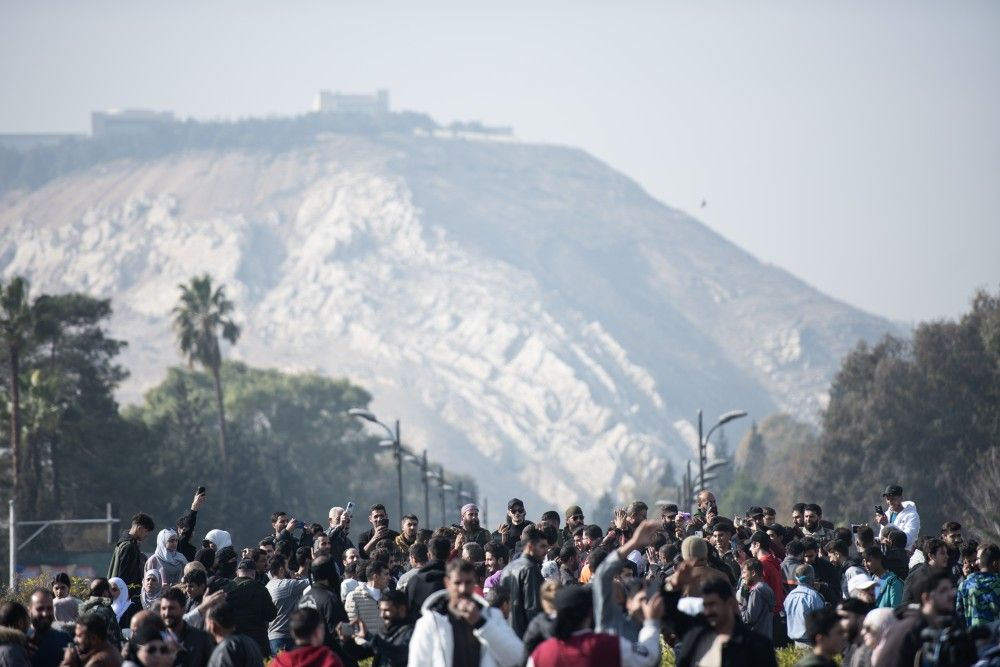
x=79 y=588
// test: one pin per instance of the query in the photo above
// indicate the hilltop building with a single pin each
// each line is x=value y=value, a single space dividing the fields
x=128 y=122
x=338 y=102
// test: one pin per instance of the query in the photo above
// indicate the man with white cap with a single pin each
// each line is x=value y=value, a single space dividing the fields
x=471 y=529
x=862 y=587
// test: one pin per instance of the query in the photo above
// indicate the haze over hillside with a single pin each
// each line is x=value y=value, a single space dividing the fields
x=522 y=308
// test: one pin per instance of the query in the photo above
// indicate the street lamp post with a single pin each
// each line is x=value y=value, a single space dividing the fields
x=444 y=487
x=703 y=442
x=397 y=449
x=425 y=479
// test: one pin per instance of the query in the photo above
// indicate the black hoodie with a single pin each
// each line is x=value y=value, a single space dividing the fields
x=127 y=562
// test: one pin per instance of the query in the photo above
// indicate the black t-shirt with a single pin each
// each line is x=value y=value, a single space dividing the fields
x=467 y=645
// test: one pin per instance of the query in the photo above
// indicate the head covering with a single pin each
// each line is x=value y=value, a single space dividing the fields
x=694 y=548
x=225 y=562
x=514 y=502
x=148 y=600
x=878 y=621
x=469 y=507
x=206 y=557
x=892 y=491
x=247 y=565
x=120 y=603
x=859 y=582
x=573 y=604
x=219 y=538
x=573 y=510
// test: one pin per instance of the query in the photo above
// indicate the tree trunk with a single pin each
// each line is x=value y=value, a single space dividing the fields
x=222 y=414
x=15 y=421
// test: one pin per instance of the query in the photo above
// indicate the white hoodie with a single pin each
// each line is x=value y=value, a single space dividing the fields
x=432 y=644
x=907 y=521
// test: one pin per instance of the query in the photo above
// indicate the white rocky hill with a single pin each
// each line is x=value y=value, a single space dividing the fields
x=533 y=316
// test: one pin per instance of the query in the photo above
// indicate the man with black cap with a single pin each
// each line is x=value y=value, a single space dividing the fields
x=324 y=597
x=252 y=605
x=575 y=644
x=509 y=532
x=574 y=520
x=899 y=513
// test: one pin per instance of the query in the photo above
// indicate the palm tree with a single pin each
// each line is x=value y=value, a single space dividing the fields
x=15 y=327
x=201 y=316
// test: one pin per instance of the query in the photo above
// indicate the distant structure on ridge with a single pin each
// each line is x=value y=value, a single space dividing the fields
x=128 y=122
x=338 y=102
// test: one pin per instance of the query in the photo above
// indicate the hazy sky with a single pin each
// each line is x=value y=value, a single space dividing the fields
x=855 y=144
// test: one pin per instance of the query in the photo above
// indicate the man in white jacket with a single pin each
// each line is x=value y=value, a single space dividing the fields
x=901 y=514
x=458 y=628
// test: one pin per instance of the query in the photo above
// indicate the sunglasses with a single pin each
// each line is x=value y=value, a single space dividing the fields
x=517 y=510
x=162 y=649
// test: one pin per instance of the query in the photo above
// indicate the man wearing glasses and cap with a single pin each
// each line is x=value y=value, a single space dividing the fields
x=574 y=520
x=509 y=532
x=901 y=513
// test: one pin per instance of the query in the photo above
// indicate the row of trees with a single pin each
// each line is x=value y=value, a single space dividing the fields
x=258 y=439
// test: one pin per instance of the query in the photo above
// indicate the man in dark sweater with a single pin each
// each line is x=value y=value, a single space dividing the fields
x=197 y=644
x=429 y=578
x=47 y=642
x=185 y=527
x=127 y=560
x=903 y=640
x=252 y=606
x=232 y=649
x=380 y=530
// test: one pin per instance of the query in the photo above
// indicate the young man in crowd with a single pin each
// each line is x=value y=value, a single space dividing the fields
x=309 y=650
x=285 y=593
x=811 y=526
x=760 y=548
x=889 y=589
x=899 y=513
x=722 y=539
x=509 y=532
x=457 y=628
x=827 y=574
x=362 y=603
x=417 y=557
x=251 y=604
x=47 y=643
x=756 y=599
x=232 y=648
x=409 y=527
x=523 y=580
x=390 y=646
x=379 y=519
x=839 y=554
x=127 y=561
x=609 y=614
x=935 y=554
x=826 y=636
x=799 y=602
x=338 y=532
x=90 y=647
x=978 y=600
x=904 y=639
x=574 y=520
x=951 y=535
x=430 y=578
x=852 y=614
x=798 y=516
x=496 y=559
x=197 y=644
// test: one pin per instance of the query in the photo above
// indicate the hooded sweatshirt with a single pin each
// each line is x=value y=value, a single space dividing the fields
x=308 y=656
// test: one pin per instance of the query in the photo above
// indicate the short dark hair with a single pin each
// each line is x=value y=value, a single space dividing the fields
x=596 y=557
x=196 y=577
x=531 y=534
x=174 y=595
x=498 y=550
x=754 y=566
x=813 y=507
x=551 y=534
x=275 y=563
x=927 y=580
x=222 y=614
x=13 y=614
x=799 y=507
x=866 y=535
x=302 y=554
x=669 y=507
x=324 y=569
x=267 y=541
x=795 y=548
x=549 y=515
x=724 y=526
x=100 y=587
x=568 y=551
x=277 y=515
x=375 y=567
x=396 y=598
x=838 y=546
x=93 y=624
x=761 y=538
x=932 y=544
x=636 y=507
x=769 y=511
x=418 y=552
x=377 y=506
x=594 y=532
x=950 y=526
x=719 y=587
x=460 y=565
x=409 y=517
x=809 y=544
x=61 y=578
x=143 y=520
x=303 y=622
x=897 y=538
x=989 y=555
x=873 y=552
x=820 y=622
x=439 y=548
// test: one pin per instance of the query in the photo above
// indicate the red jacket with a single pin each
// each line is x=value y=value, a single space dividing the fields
x=589 y=649
x=307 y=656
x=773 y=578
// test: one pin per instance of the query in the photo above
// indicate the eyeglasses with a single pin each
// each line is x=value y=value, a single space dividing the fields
x=162 y=649
x=517 y=510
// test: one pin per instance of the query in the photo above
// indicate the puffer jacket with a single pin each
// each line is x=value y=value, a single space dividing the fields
x=13 y=651
x=432 y=643
x=102 y=607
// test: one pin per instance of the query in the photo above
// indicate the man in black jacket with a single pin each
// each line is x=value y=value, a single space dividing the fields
x=340 y=527
x=429 y=579
x=197 y=644
x=509 y=532
x=252 y=605
x=523 y=580
x=185 y=527
x=127 y=561
x=380 y=530
x=718 y=622
x=392 y=647
x=324 y=597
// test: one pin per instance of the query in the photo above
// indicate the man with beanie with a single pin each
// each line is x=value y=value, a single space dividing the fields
x=471 y=529
x=799 y=602
x=574 y=520
x=694 y=550
x=574 y=643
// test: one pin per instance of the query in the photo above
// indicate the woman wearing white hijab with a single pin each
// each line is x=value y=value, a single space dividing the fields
x=167 y=560
x=152 y=591
x=123 y=606
x=219 y=539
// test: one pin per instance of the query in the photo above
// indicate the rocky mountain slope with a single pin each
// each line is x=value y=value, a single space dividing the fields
x=533 y=316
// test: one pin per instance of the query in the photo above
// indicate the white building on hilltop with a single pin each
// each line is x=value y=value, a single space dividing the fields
x=337 y=102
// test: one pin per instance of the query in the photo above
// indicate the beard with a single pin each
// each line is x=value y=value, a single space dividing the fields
x=472 y=524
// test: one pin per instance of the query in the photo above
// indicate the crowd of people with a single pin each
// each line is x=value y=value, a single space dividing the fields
x=555 y=591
